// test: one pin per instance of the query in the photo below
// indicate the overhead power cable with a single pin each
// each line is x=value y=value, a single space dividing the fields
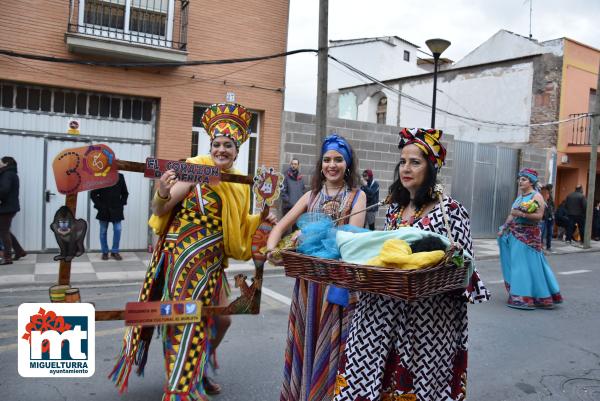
x=370 y=78
x=424 y=104
x=151 y=63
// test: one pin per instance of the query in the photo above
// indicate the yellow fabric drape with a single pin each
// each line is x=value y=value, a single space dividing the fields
x=396 y=253
x=238 y=224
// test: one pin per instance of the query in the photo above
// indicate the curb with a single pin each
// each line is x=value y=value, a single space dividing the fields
x=44 y=285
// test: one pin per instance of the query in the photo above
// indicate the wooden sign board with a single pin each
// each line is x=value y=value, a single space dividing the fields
x=188 y=172
x=83 y=169
x=166 y=312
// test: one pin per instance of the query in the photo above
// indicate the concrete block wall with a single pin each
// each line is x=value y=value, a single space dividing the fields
x=536 y=159
x=376 y=148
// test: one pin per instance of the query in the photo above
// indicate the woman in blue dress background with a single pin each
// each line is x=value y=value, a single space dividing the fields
x=528 y=277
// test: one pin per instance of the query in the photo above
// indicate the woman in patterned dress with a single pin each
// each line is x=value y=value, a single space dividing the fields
x=400 y=350
x=318 y=328
x=527 y=275
x=205 y=225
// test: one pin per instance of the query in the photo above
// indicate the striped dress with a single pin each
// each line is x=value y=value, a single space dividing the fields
x=317 y=329
x=187 y=265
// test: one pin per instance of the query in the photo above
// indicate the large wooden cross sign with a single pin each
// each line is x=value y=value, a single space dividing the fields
x=96 y=166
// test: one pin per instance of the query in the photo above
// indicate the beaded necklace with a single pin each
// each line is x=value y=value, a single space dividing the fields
x=401 y=222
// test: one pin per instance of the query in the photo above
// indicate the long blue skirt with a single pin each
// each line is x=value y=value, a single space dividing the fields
x=528 y=277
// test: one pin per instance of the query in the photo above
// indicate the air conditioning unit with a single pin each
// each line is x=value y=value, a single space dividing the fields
x=564 y=159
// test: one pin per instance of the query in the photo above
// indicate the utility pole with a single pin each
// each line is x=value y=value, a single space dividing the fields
x=591 y=189
x=321 y=131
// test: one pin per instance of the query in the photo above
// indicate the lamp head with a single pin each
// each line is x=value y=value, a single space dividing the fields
x=437 y=46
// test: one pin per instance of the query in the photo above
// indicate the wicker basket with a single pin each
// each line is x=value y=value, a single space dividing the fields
x=404 y=284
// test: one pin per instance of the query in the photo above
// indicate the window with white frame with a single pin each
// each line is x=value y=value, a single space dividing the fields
x=141 y=21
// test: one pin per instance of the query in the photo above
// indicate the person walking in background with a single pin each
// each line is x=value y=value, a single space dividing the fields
x=9 y=206
x=528 y=277
x=293 y=187
x=110 y=202
x=371 y=188
x=596 y=222
x=548 y=221
x=575 y=205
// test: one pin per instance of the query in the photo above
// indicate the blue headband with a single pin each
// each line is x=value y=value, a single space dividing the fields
x=530 y=174
x=339 y=144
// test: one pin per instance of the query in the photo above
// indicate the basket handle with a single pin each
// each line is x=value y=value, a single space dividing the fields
x=445 y=218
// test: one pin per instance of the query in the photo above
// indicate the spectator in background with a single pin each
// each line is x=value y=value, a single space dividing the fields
x=575 y=205
x=9 y=206
x=548 y=220
x=562 y=221
x=371 y=188
x=293 y=188
x=110 y=203
x=596 y=222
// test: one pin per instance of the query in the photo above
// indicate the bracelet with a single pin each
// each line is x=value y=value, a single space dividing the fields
x=159 y=199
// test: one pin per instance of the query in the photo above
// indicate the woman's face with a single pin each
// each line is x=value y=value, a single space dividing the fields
x=333 y=166
x=524 y=184
x=223 y=152
x=413 y=168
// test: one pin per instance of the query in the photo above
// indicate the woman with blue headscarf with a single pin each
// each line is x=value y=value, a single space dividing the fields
x=318 y=328
x=527 y=275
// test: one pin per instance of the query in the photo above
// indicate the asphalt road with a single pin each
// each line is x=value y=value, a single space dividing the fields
x=542 y=355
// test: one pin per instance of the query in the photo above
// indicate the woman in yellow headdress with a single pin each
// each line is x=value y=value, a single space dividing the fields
x=200 y=226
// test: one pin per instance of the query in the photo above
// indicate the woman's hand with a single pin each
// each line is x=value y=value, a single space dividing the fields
x=517 y=213
x=274 y=256
x=166 y=182
x=271 y=218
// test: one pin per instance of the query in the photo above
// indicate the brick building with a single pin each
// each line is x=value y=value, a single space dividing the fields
x=137 y=111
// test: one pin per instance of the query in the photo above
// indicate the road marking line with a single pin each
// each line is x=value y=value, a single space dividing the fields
x=574 y=272
x=277 y=296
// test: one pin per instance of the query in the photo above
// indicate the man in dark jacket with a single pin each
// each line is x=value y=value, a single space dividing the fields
x=9 y=206
x=293 y=187
x=109 y=202
x=371 y=188
x=575 y=205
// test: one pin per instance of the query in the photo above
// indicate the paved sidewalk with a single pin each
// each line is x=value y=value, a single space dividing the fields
x=41 y=269
x=488 y=248
x=36 y=269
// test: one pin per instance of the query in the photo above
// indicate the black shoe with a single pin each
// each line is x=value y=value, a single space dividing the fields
x=6 y=262
x=105 y=256
x=20 y=255
x=116 y=256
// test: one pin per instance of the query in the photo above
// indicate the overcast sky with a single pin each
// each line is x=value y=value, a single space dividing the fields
x=466 y=23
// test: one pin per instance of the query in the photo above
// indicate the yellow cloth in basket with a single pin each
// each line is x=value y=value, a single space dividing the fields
x=396 y=253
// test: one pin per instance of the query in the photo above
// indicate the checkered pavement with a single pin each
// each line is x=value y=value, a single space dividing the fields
x=38 y=269
x=42 y=269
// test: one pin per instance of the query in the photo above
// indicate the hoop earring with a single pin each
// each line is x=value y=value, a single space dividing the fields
x=347 y=173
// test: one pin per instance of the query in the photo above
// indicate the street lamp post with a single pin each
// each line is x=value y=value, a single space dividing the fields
x=437 y=47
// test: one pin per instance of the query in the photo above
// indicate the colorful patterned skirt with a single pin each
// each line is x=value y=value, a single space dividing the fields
x=317 y=336
x=400 y=350
x=528 y=277
x=187 y=265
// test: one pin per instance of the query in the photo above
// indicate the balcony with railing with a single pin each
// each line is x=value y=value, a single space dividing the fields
x=580 y=131
x=135 y=30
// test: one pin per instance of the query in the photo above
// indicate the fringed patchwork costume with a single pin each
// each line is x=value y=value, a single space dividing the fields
x=188 y=263
x=317 y=329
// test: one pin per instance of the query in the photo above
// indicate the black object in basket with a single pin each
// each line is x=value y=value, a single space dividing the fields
x=404 y=284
